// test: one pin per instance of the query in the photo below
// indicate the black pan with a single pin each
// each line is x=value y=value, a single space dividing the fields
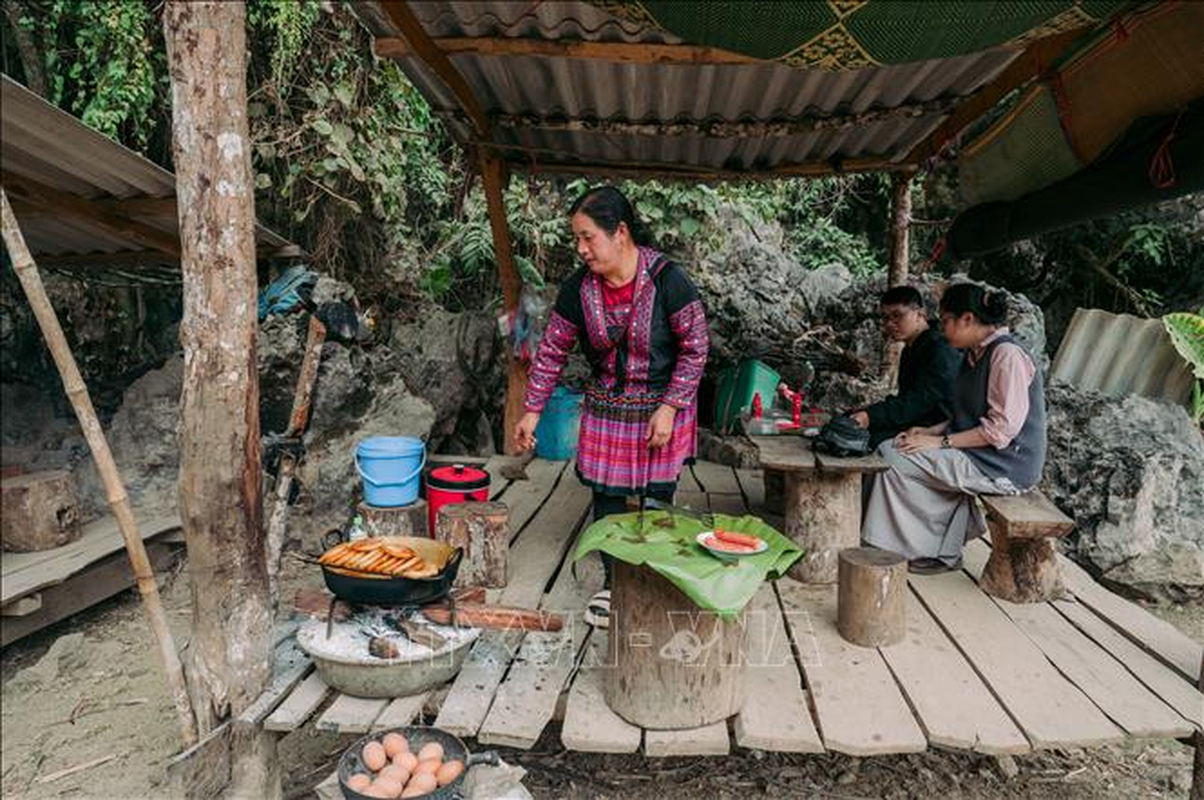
x=416 y=735
x=395 y=591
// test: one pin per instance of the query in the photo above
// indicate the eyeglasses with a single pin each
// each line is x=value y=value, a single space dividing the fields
x=897 y=316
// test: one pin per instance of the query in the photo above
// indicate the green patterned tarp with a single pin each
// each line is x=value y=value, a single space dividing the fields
x=850 y=34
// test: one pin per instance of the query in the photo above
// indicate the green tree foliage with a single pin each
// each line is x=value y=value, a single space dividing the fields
x=104 y=62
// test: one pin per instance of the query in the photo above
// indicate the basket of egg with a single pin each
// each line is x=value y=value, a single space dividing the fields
x=416 y=761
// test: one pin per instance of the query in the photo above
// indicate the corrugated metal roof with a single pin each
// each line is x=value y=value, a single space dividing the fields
x=549 y=86
x=43 y=143
x=1119 y=354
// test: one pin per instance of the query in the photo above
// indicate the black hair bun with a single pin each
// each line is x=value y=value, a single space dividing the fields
x=995 y=304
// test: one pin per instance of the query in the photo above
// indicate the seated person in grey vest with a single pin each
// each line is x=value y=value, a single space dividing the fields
x=923 y=506
x=927 y=370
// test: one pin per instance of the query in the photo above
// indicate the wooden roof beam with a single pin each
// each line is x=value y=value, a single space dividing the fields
x=425 y=48
x=144 y=258
x=1029 y=65
x=618 y=52
x=720 y=128
x=814 y=169
x=33 y=193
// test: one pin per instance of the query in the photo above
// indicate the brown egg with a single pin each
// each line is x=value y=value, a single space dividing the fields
x=430 y=765
x=431 y=750
x=395 y=743
x=421 y=783
x=395 y=773
x=374 y=756
x=406 y=761
x=387 y=787
x=449 y=772
x=359 y=782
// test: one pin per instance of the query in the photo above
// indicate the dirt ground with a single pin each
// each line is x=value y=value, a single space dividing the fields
x=91 y=690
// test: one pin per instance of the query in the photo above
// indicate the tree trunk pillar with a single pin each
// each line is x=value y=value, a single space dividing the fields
x=230 y=653
x=900 y=241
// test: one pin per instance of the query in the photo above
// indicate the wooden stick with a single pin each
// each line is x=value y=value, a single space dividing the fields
x=63 y=773
x=119 y=502
x=307 y=378
x=297 y=421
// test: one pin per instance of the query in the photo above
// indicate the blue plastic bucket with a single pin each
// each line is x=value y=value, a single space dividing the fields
x=390 y=467
x=556 y=434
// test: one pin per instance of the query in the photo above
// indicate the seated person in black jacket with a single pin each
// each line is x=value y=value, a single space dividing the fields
x=927 y=370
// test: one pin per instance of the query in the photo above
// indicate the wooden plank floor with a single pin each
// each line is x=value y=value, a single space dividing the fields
x=974 y=673
x=22 y=573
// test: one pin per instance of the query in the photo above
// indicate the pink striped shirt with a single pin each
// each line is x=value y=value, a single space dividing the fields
x=1007 y=389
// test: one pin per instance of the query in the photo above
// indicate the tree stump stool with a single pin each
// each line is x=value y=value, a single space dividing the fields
x=1023 y=566
x=483 y=530
x=871 y=599
x=408 y=520
x=671 y=666
x=38 y=511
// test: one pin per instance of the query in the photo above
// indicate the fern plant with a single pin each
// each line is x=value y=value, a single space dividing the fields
x=1187 y=334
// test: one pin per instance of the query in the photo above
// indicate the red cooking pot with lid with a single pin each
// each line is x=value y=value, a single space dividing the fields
x=455 y=484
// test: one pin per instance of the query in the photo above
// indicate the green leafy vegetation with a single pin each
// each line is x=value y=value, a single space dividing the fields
x=1187 y=334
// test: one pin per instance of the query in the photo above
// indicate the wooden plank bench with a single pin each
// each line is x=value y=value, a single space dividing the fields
x=1023 y=566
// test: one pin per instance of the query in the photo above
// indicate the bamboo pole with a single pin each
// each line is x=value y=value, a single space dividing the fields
x=119 y=502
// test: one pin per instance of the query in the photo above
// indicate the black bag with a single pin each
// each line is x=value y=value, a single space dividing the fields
x=843 y=438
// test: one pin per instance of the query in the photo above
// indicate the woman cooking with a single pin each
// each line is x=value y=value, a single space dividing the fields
x=642 y=328
x=924 y=506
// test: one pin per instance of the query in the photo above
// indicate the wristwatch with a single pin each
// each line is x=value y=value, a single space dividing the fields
x=946 y=442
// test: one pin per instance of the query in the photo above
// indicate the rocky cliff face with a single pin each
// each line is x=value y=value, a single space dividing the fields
x=1131 y=472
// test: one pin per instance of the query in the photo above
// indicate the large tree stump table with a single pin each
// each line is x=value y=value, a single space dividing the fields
x=670 y=665
x=1023 y=566
x=822 y=501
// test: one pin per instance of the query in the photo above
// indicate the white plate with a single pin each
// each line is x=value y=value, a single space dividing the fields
x=727 y=554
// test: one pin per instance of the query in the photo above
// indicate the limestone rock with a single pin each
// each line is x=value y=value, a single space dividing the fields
x=1130 y=471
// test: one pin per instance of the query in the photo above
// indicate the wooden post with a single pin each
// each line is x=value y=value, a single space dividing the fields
x=900 y=239
x=483 y=530
x=871 y=600
x=119 y=502
x=900 y=227
x=1197 y=773
x=823 y=515
x=671 y=666
x=230 y=654
x=493 y=179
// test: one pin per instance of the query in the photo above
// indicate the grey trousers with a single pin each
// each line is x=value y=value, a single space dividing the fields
x=924 y=505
